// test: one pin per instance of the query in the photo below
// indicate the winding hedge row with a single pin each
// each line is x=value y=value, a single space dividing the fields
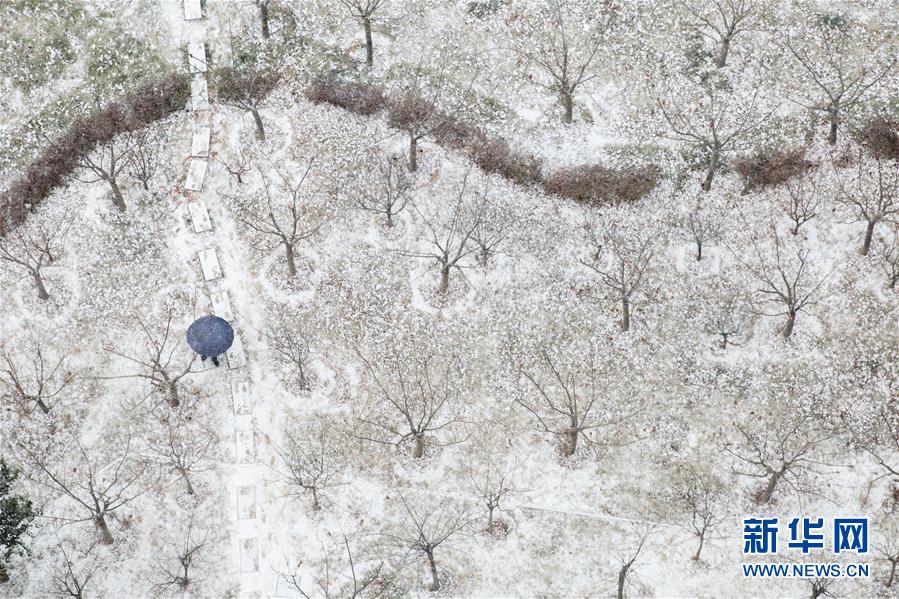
x=593 y=184
x=144 y=105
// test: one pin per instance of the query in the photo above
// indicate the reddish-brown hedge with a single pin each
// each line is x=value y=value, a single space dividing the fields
x=881 y=136
x=360 y=98
x=596 y=184
x=141 y=107
x=769 y=167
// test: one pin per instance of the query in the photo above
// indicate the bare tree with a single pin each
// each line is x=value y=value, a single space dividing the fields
x=162 y=361
x=312 y=459
x=703 y=496
x=391 y=191
x=701 y=225
x=628 y=555
x=106 y=163
x=571 y=397
x=37 y=379
x=491 y=479
x=890 y=260
x=416 y=398
x=71 y=575
x=720 y=21
x=839 y=71
x=429 y=527
x=785 y=280
x=289 y=338
x=802 y=202
x=887 y=547
x=782 y=449
x=237 y=164
x=245 y=88
x=719 y=121
x=495 y=222
x=365 y=10
x=345 y=576
x=450 y=232
x=262 y=6
x=727 y=316
x=33 y=246
x=179 y=567
x=620 y=258
x=102 y=479
x=562 y=42
x=143 y=161
x=871 y=194
x=183 y=445
x=284 y=214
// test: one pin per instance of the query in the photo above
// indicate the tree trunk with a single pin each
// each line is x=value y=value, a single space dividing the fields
x=625 y=314
x=43 y=406
x=770 y=487
x=832 y=137
x=490 y=518
x=892 y=577
x=444 y=279
x=260 y=130
x=698 y=251
x=724 y=340
x=435 y=580
x=174 y=399
x=622 y=578
x=571 y=436
x=869 y=235
x=369 y=47
x=41 y=288
x=291 y=261
x=893 y=280
x=316 y=505
x=413 y=153
x=190 y=487
x=701 y=543
x=795 y=229
x=788 y=326
x=117 y=198
x=4 y=575
x=103 y=529
x=418 y=449
x=263 y=17
x=567 y=107
x=389 y=218
x=722 y=54
x=712 y=169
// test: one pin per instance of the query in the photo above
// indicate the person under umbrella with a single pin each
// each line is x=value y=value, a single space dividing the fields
x=210 y=336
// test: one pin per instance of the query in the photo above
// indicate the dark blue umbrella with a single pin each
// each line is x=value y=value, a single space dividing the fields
x=210 y=336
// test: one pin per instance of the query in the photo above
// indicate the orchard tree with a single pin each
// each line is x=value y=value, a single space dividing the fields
x=35 y=245
x=889 y=259
x=245 y=88
x=430 y=526
x=801 y=202
x=450 y=228
x=34 y=375
x=312 y=459
x=143 y=162
x=560 y=41
x=388 y=190
x=721 y=21
x=870 y=193
x=702 y=495
x=628 y=553
x=714 y=117
x=416 y=397
x=787 y=283
x=162 y=361
x=184 y=445
x=364 y=11
x=620 y=257
x=75 y=568
x=840 y=61
x=342 y=573
x=701 y=225
x=107 y=163
x=182 y=560
x=285 y=215
x=98 y=480
x=290 y=335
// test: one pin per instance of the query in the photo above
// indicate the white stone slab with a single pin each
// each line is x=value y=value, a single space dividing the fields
x=196 y=173
x=209 y=263
x=246 y=502
x=199 y=145
x=249 y=555
x=237 y=358
x=245 y=443
x=221 y=305
x=193 y=10
x=199 y=93
x=196 y=57
x=199 y=216
x=240 y=394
